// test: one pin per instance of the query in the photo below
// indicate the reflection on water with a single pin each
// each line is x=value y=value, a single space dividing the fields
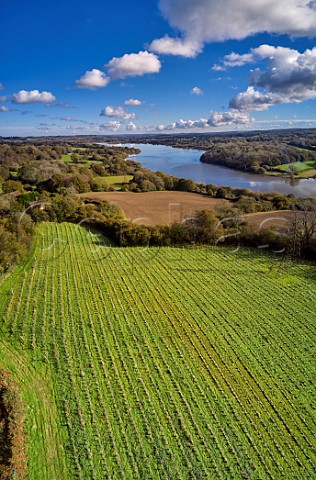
x=186 y=164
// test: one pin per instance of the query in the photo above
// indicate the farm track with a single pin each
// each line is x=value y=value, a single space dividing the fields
x=163 y=363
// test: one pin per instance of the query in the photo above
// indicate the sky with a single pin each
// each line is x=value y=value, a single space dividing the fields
x=157 y=66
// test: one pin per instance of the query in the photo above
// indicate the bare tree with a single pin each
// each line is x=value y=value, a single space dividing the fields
x=302 y=228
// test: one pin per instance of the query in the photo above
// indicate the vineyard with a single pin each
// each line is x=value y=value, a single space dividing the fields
x=161 y=363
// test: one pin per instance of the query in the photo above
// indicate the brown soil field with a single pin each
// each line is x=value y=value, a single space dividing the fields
x=156 y=208
x=262 y=220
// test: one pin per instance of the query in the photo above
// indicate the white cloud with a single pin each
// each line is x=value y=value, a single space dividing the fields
x=5 y=109
x=220 y=119
x=133 y=65
x=186 y=124
x=203 y=21
x=93 y=79
x=33 y=96
x=176 y=46
x=117 y=112
x=134 y=102
x=261 y=52
x=112 y=126
x=217 y=119
x=218 y=68
x=290 y=77
x=196 y=91
x=4 y=98
x=236 y=60
x=253 y=99
x=131 y=127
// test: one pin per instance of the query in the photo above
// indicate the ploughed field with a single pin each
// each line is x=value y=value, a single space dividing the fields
x=161 y=363
x=156 y=208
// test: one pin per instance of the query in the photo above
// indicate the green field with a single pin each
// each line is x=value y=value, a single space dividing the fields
x=67 y=158
x=305 y=169
x=115 y=180
x=161 y=363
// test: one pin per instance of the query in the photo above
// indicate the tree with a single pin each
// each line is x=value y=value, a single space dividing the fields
x=185 y=185
x=292 y=170
x=302 y=228
x=75 y=158
x=12 y=186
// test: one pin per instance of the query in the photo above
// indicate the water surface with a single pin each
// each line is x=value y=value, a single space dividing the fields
x=185 y=163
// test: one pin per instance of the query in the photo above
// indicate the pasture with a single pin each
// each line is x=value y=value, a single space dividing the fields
x=304 y=169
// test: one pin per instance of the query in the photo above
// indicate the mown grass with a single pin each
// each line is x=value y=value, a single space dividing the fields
x=115 y=180
x=87 y=164
x=66 y=158
x=161 y=362
x=304 y=169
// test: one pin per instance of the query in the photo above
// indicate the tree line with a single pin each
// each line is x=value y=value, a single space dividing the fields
x=255 y=156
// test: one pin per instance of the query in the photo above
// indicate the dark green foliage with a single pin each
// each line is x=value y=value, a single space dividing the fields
x=254 y=156
x=10 y=186
x=15 y=239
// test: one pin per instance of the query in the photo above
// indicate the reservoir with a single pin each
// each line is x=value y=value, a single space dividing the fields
x=184 y=163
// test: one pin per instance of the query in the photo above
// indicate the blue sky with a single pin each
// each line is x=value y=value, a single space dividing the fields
x=156 y=66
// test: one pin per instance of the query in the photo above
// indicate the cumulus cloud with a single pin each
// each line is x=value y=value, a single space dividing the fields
x=184 y=125
x=253 y=99
x=4 y=98
x=133 y=65
x=290 y=77
x=176 y=46
x=196 y=91
x=205 y=21
x=112 y=126
x=5 y=109
x=261 y=52
x=33 y=96
x=235 y=60
x=217 y=119
x=220 y=119
x=134 y=102
x=117 y=112
x=131 y=127
x=93 y=79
